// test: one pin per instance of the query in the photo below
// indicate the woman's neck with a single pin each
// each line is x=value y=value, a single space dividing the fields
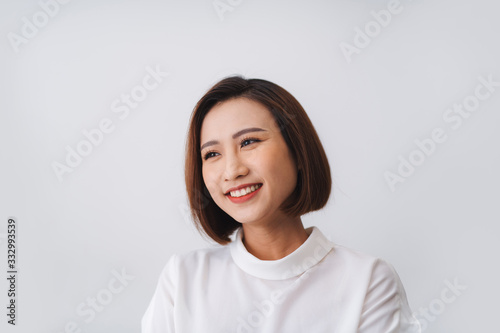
x=274 y=241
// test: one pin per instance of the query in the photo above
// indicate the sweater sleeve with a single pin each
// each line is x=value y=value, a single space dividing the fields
x=386 y=309
x=159 y=316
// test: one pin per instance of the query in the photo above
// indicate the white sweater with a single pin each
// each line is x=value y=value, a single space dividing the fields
x=320 y=287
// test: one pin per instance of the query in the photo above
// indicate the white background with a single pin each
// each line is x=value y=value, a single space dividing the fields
x=124 y=207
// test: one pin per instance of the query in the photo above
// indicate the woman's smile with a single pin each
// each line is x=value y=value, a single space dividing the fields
x=244 y=194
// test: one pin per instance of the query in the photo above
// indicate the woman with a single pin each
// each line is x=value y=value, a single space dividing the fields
x=254 y=166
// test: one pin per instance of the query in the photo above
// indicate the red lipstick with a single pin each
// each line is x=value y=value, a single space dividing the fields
x=245 y=197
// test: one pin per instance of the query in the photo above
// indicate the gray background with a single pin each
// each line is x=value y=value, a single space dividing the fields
x=124 y=207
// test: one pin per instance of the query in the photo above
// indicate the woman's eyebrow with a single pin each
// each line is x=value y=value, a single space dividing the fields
x=235 y=135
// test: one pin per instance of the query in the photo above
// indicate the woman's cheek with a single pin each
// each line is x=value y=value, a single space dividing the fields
x=208 y=177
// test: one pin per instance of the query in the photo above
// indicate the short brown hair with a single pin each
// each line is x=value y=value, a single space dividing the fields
x=313 y=180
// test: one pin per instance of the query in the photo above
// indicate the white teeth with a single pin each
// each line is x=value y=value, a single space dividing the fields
x=244 y=191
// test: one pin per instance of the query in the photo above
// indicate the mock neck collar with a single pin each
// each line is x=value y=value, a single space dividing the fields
x=311 y=252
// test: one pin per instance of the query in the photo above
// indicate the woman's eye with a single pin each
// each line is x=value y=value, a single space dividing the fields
x=246 y=142
x=243 y=143
x=209 y=154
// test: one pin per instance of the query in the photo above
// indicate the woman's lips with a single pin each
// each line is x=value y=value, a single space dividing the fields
x=244 y=186
x=245 y=197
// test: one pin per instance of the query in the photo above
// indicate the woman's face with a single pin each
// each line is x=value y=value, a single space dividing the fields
x=241 y=145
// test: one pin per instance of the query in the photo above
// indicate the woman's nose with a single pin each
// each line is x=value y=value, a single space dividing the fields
x=235 y=168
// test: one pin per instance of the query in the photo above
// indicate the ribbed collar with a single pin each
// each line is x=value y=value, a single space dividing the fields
x=312 y=251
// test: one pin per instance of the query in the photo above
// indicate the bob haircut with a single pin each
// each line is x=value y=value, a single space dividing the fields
x=313 y=179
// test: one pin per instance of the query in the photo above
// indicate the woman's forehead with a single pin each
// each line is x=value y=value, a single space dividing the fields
x=236 y=114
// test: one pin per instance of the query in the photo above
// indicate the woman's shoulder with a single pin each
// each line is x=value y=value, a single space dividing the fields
x=340 y=256
x=354 y=256
x=205 y=254
x=383 y=291
x=192 y=259
x=358 y=261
